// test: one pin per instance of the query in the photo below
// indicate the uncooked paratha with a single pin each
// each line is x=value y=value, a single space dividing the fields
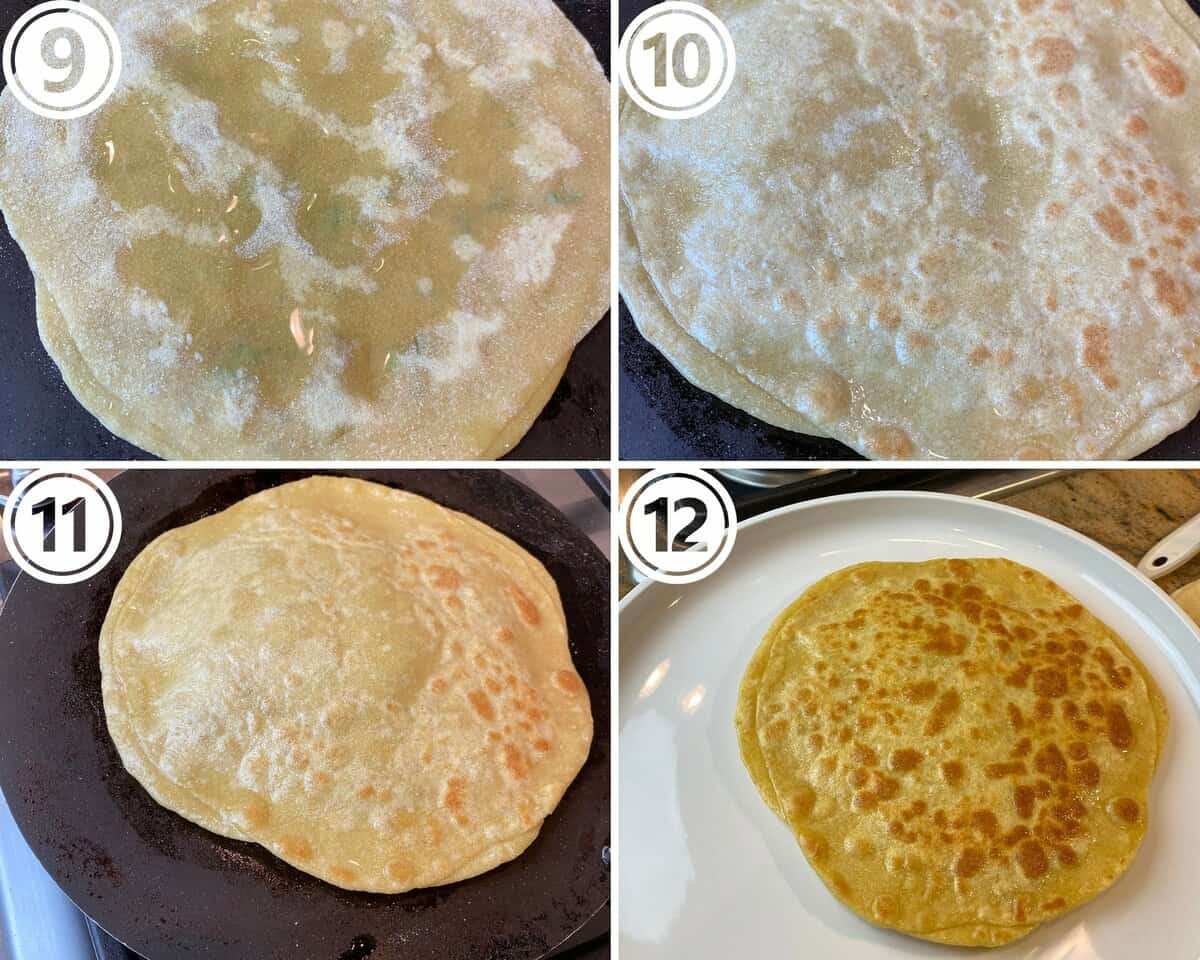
x=961 y=749
x=321 y=229
x=967 y=230
x=376 y=689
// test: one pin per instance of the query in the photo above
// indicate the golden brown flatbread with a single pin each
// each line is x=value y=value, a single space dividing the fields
x=961 y=749
x=376 y=689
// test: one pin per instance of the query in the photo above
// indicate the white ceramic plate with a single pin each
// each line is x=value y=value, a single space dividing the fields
x=707 y=871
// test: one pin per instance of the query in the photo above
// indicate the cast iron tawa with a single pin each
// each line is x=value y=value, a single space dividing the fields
x=170 y=889
x=43 y=420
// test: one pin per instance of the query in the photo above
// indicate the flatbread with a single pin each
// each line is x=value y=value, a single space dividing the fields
x=966 y=230
x=374 y=688
x=321 y=229
x=961 y=749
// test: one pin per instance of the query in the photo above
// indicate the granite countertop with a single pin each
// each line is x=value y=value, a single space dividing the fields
x=1128 y=511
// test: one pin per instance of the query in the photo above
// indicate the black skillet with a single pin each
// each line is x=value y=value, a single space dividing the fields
x=171 y=890
x=663 y=416
x=42 y=420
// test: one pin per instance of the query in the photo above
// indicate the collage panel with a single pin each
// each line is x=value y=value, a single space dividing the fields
x=321 y=714
x=907 y=655
x=964 y=231
x=311 y=230
x=913 y=711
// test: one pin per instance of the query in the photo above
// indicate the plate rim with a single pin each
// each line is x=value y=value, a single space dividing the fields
x=643 y=588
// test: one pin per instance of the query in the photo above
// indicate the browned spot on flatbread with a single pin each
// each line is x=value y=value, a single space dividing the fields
x=1031 y=858
x=1118 y=727
x=1136 y=126
x=985 y=822
x=400 y=871
x=344 y=874
x=481 y=703
x=454 y=795
x=1054 y=55
x=943 y=711
x=952 y=772
x=568 y=682
x=1125 y=197
x=526 y=609
x=888 y=443
x=257 y=811
x=1050 y=762
x=515 y=762
x=904 y=759
x=969 y=862
x=1114 y=226
x=1170 y=292
x=1161 y=72
x=296 y=848
x=444 y=578
x=920 y=692
x=1125 y=809
x=504 y=635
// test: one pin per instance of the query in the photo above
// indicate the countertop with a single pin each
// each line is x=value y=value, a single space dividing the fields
x=1128 y=511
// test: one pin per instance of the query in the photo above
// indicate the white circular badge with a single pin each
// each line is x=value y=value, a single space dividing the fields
x=62 y=59
x=677 y=526
x=677 y=60
x=62 y=525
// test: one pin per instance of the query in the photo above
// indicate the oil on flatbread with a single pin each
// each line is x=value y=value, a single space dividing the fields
x=961 y=749
x=321 y=229
x=966 y=230
x=376 y=689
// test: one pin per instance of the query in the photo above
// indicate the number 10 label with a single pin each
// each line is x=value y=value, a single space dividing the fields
x=677 y=60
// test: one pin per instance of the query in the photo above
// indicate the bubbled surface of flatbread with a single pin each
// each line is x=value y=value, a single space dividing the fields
x=376 y=689
x=965 y=230
x=961 y=749
x=321 y=228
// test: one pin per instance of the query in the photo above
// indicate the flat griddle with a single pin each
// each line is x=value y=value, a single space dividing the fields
x=664 y=416
x=171 y=890
x=43 y=421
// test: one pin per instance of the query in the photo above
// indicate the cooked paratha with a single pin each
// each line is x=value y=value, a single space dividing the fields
x=967 y=230
x=321 y=229
x=961 y=749
x=376 y=689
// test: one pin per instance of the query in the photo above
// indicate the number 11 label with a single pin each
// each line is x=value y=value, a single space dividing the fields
x=62 y=526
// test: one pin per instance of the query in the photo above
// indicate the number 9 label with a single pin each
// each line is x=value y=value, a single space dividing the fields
x=677 y=60
x=677 y=526
x=62 y=526
x=62 y=59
